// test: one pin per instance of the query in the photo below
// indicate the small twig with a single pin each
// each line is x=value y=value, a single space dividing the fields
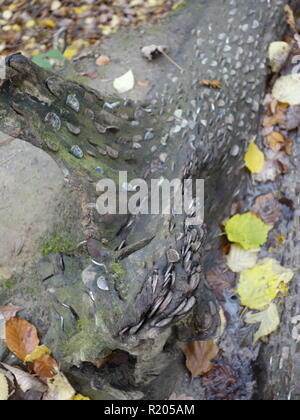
x=171 y=60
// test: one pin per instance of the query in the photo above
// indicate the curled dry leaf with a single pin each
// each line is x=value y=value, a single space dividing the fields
x=21 y=337
x=152 y=51
x=276 y=140
x=215 y=84
x=25 y=381
x=199 y=356
x=45 y=366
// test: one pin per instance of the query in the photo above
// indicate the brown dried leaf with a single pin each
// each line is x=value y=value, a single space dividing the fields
x=221 y=382
x=199 y=355
x=267 y=208
x=220 y=279
x=45 y=366
x=21 y=337
x=9 y=311
x=276 y=140
x=215 y=84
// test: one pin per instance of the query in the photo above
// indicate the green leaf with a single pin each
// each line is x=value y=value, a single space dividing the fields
x=247 y=230
x=44 y=60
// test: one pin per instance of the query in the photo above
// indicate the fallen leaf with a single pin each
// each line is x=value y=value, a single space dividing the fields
x=287 y=89
x=103 y=60
x=278 y=54
x=9 y=311
x=59 y=389
x=38 y=352
x=239 y=260
x=3 y=387
x=21 y=337
x=276 y=140
x=254 y=159
x=26 y=381
x=45 y=366
x=199 y=355
x=267 y=208
x=152 y=51
x=221 y=382
x=124 y=83
x=258 y=286
x=215 y=84
x=220 y=279
x=276 y=163
x=269 y=321
x=247 y=230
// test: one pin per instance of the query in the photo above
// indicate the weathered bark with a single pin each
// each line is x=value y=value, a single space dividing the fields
x=224 y=40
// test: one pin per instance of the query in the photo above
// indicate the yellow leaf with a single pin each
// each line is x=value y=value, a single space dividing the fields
x=79 y=10
x=269 y=321
x=254 y=159
x=247 y=230
x=48 y=22
x=70 y=53
x=259 y=285
x=3 y=387
x=59 y=389
x=16 y=28
x=37 y=353
x=30 y=23
x=79 y=397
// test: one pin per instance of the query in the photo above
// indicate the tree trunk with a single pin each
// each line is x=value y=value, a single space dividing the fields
x=152 y=301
